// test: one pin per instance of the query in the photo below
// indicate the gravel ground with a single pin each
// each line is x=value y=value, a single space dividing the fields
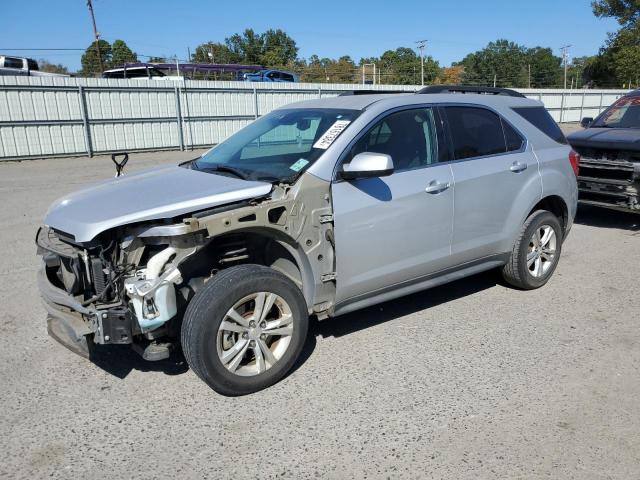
x=469 y=380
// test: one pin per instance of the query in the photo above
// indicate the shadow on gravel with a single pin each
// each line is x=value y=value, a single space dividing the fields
x=377 y=314
x=606 y=218
x=120 y=360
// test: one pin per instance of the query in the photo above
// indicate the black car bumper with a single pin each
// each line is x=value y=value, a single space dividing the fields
x=68 y=321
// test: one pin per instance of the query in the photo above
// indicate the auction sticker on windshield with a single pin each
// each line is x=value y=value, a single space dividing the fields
x=299 y=165
x=331 y=134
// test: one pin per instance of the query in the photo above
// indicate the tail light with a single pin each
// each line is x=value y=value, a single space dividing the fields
x=574 y=158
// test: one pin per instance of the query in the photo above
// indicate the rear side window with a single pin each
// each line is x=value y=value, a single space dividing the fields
x=475 y=132
x=512 y=138
x=540 y=118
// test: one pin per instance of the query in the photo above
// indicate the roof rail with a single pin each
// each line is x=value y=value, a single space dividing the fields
x=470 y=89
x=369 y=92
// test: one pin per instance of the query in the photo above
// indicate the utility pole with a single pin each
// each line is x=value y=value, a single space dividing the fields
x=96 y=34
x=529 y=75
x=565 y=60
x=495 y=79
x=421 y=44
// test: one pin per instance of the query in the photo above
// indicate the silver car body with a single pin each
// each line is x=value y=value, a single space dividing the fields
x=156 y=194
x=350 y=244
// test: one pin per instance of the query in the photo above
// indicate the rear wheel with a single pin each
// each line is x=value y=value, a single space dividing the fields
x=536 y=252
x=244 y=330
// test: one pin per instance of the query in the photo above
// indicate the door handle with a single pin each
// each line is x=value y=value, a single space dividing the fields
x=517 y=167
x=437 y=187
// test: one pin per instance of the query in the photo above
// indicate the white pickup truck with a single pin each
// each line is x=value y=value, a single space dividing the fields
x=24 y=67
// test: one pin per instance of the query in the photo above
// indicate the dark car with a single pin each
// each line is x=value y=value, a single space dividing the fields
x=610 y=156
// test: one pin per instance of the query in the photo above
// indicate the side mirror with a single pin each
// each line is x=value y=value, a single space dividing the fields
x=586 y=122
x=367 y=165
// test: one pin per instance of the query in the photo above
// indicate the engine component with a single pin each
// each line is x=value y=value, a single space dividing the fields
x=153 y=294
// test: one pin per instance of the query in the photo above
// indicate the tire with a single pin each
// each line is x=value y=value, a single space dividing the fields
x=519 y=272
x=208 y=344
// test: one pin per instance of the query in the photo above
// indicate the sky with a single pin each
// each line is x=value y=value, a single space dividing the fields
x=327 y=28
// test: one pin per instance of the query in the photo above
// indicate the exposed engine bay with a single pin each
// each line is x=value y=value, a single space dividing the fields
x=132 y=284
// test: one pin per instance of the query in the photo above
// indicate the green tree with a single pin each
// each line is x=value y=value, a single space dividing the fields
x=512 y=65
x=214 y=52
x=90 y=60
x=402 y=66
x=626 y=12
x=273 y=48
x=543 y=68
x=501 y=60
x=121 y=54
x=278 y=48
x=46 y=66
x=316 y=70
x=618 y=61
x=248 y=47
x=597 y=72
x=343 y=71
x=626 y=65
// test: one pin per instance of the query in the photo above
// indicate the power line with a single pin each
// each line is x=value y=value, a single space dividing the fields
x=41 y=49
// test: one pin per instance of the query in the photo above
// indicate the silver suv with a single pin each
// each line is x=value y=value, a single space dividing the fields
x=319 y=208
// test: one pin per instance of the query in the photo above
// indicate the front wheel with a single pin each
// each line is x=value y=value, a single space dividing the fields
x=536 y=252
x=244 y=330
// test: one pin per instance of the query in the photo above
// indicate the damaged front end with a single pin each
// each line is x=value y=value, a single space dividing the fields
x=609 y=178
x=131 y=284
x=117 y=289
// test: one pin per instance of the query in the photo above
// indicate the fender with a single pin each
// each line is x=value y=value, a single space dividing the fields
x=297 y=218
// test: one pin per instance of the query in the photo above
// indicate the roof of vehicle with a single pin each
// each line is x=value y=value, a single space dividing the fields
x=120 y=69
x=362 y=102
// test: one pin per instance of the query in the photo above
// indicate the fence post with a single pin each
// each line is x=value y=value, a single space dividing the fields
x=179 y=118
x=85 y=121
x=601 y=99
x=562 y=107
x=582 y=105
x=319 y=92
x=255 y=102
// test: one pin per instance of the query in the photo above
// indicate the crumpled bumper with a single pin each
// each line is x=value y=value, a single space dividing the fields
x=68 y=321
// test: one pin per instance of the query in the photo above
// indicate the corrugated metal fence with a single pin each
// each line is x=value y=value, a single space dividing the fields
x=43 y=117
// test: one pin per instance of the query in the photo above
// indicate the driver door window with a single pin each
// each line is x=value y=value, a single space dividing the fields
x=408 y=136
x=396 y=217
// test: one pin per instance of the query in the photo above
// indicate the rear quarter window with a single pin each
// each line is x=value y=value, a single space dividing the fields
x=540 y=118
x=512 y=138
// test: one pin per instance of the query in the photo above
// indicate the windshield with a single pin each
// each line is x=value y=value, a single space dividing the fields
x=625 y=113
x=278 y=146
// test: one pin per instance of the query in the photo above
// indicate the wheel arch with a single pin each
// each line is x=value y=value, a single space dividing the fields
x=256 y=245
x=556 y=205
